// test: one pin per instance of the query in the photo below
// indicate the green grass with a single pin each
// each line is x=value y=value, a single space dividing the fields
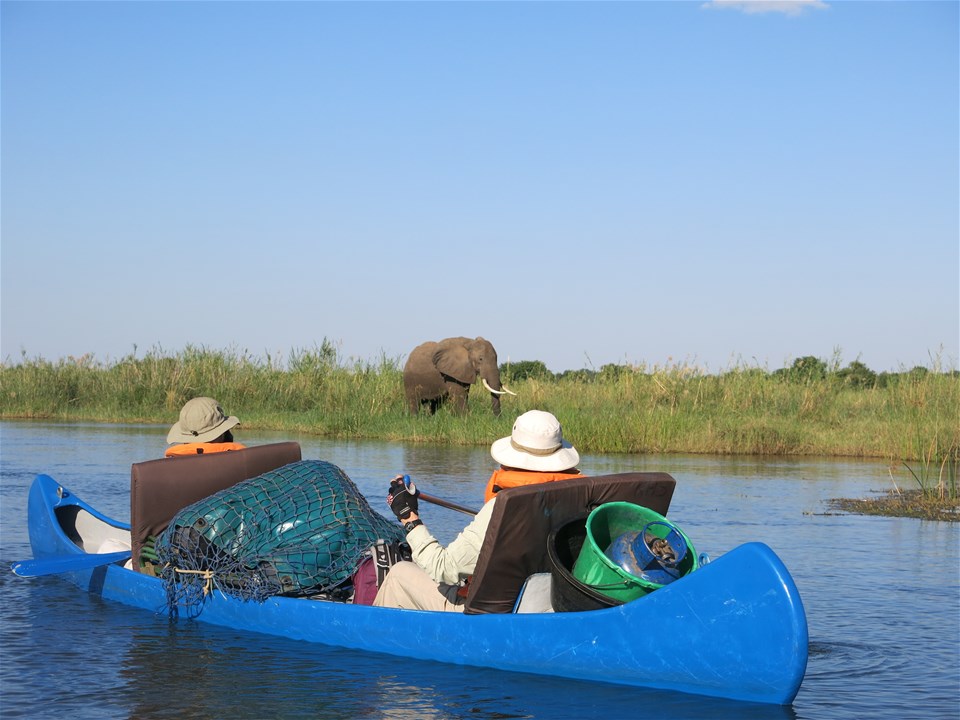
x=909 y=417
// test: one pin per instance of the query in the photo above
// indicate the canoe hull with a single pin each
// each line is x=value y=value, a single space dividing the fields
x=735 y=628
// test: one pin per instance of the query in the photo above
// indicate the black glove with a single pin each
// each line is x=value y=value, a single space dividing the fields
x=402 y=498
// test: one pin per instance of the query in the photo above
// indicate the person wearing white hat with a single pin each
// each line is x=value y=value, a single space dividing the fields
x=203 y=428
x=534 y=452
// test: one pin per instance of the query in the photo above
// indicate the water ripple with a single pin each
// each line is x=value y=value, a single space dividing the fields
x=848 y=660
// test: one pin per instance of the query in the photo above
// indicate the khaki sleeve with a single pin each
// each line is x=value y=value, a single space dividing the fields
x=453 y=563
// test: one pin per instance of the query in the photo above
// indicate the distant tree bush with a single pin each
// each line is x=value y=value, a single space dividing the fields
x=614 y=372
x=582 y=375
x=856 y=374
x=886 y=379
x=524 y=370
x=804 y=369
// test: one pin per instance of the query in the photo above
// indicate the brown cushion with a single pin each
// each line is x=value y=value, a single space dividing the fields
x=159 y=489
x=515 y=545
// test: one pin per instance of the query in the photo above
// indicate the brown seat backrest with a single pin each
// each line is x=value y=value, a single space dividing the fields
x=159 y=489
x=515 y=545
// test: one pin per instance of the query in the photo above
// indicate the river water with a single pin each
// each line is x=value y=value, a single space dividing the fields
x=882 y=597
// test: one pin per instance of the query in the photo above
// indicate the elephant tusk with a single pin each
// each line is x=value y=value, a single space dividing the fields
x=505 y=391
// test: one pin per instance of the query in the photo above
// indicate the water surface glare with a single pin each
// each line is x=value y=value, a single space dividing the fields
x=882 y=597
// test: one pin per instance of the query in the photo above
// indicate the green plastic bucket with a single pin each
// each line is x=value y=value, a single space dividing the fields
x=604 y=525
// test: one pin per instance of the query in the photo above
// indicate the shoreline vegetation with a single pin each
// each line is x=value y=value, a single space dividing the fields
x=815 y=407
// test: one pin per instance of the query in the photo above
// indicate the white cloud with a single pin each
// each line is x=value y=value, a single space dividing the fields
x=754 y=7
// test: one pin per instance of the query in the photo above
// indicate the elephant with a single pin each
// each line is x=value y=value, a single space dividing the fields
x=437 y=371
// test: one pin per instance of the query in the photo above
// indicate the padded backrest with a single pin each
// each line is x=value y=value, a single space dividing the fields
x=515 y=545
x=159 y=489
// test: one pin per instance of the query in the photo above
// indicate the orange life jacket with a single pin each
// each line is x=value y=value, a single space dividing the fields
x=201 y=448
x=503 y=479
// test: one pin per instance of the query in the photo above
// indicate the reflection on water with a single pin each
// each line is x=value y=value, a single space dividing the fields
x=284 y=678
x=882 y=597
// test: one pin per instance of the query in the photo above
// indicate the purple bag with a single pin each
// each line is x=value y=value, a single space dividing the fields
x=370 y=573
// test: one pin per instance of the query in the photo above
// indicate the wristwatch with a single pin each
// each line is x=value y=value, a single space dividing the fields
x=408 y=526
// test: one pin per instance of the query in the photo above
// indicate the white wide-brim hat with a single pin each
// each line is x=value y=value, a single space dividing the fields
x=536 y=444
x=201 y=420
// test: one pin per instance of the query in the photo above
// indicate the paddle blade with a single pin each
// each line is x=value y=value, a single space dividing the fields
x=65 y=563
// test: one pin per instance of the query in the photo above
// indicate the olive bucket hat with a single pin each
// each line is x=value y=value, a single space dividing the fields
x=201 y=420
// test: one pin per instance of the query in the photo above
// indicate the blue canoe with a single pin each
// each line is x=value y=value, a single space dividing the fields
x=735 y=628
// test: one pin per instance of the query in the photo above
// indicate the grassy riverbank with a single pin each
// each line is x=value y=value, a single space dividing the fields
x=912 y=416
x=909 y=419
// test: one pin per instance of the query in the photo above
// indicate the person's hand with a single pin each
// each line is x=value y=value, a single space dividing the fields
x=402 y=497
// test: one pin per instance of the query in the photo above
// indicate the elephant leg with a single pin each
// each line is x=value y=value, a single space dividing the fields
x=429 y=404
x=417 y=396
x=458 y=394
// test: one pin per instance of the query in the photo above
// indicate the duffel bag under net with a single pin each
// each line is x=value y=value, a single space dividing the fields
x=299 y=530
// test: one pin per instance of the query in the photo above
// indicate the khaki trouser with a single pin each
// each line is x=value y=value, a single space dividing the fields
x=408 y=586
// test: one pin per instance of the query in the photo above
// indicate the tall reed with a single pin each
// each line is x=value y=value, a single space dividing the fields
x=664 y=409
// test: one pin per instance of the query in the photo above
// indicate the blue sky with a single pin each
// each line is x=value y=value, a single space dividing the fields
x=581 y=183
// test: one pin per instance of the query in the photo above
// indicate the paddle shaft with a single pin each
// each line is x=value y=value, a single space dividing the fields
x=66 y=563
x=439 y=501
x=445 y=503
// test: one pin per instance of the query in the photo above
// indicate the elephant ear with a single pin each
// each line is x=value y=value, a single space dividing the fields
x=454 y=361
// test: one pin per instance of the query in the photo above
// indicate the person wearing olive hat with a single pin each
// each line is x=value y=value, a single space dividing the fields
x=203 y=428
x=534 y=452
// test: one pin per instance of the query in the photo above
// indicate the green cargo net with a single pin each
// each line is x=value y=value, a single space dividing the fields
x=301 y=530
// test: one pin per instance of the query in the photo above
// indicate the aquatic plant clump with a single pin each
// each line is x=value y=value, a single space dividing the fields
x=301 y=530
x=912 y=503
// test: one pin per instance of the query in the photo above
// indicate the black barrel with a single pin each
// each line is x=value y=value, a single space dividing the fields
x=567 y=593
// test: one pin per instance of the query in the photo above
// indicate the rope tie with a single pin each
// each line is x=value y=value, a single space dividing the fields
x=207 y=576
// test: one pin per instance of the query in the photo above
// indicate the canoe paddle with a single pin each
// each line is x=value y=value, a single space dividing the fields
x=445 y=503
x=66 y=563
x=439 y=501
